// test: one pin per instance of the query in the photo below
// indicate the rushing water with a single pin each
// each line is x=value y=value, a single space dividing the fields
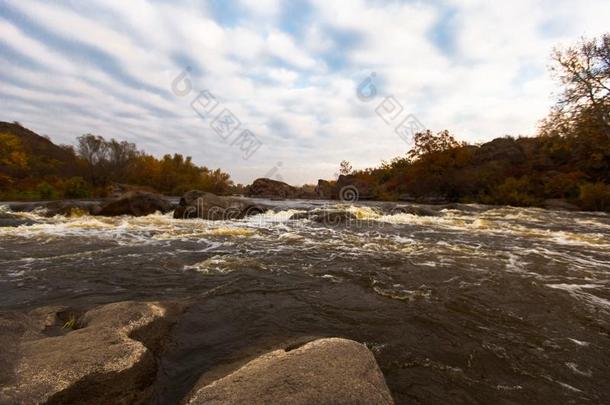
x=477 y=305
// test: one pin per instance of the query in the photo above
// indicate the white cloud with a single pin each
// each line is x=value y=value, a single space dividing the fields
x=295 y=90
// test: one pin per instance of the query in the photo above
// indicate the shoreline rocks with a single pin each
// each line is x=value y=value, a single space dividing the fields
x=104 y=355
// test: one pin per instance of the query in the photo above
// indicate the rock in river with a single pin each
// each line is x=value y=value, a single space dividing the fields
x=325 y=371
x=268 y=188
x=136 y=203
x=199 y=204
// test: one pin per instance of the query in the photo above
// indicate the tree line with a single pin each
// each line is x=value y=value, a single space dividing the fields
x=569 y=159
x=32 y=168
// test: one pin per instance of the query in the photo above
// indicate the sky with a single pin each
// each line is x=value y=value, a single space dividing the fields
x=284 y=89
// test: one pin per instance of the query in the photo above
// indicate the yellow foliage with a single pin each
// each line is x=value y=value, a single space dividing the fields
x=11 y=152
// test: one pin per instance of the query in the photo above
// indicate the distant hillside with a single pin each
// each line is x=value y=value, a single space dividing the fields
x=43 y=157
x=34 y=168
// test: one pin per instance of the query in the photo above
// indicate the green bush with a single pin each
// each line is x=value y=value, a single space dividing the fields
x=76 y=187
x=516 y=192
x=45 y=191
x=595 y=196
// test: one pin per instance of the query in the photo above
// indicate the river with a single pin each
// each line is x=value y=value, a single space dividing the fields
x=479 y=304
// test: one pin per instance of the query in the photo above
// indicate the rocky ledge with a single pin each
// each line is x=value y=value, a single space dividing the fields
x=325 y=371
x=105 y=355
x=110 y=354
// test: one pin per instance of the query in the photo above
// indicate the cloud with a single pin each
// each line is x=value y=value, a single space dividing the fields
x=288 y=70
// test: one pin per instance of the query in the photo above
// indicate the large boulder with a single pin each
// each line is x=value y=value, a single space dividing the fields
x=500 y=149
x=324 y=189
x=350 y=188
x=105 y=355
x=325 y=371
x=70 y=207
x=135 y=203
x=200 y=204
x=268 y=188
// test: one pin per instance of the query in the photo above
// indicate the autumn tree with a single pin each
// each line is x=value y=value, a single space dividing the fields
x=11 y=152
x=583 y=71
x=345 y=167
x=427 y=143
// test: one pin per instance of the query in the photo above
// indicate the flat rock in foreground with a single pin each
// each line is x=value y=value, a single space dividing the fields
x=107 y=359
x=325 y=371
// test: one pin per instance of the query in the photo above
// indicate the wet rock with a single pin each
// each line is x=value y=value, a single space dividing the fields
x=14 y=222
x=200 y=204
x=135 y=203
x=268 y=188
x=325 y=371
x=69 y=207
x=324 y=189
x=329 y=217
x=60 y=207
x=334 y=217
x=300 y=215
x=415 y=210
x=559 y=204
x=10 y=219
x=105 y=355
x=407 y=197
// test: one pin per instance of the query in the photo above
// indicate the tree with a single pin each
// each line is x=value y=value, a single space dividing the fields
x=120 y=156
x=427 y=143
x=93 y=149
x=345 y=167
x=584 y=72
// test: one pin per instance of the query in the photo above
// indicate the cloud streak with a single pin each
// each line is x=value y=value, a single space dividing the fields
x=288 y=69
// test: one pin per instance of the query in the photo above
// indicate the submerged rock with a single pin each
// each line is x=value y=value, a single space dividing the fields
x=70 y=207
x=55 y=355
x=329 y=217
x=200 y=204
x=416 y=210
x=325 y=371
x=560 y=205
x=60 y=207
x=135 y=203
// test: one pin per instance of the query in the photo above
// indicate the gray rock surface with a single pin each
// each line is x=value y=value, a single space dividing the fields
x=268 y=188
x=199 y=204
x=105 y=355
x=135 y=203
x=327 y=217
x=364 y=190
x=325 y=189
x=325 y=371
